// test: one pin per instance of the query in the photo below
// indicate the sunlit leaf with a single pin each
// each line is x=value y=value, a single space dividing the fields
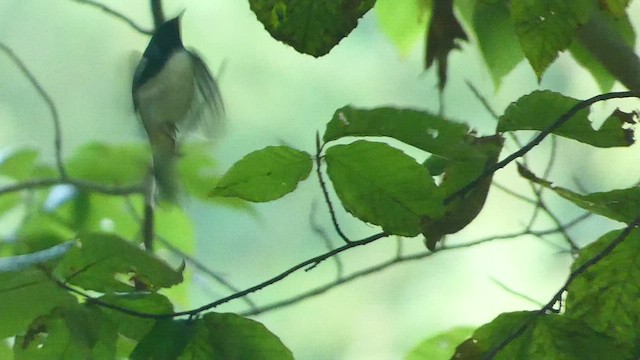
x=403 y=21
x=311 y=27
x=538 y=110
x=265 y=175
x=25 y=295
x=617 y=7
x=232 y=337
x=441 y=346
x=383 y=186
x=606 y=295
x=107 y=263
x=547 y=27
x=18 y=164
x=421 y=129
x=497 y=38
x=68 y=333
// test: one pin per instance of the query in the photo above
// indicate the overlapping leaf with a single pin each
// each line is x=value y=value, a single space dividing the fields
x=381 y=185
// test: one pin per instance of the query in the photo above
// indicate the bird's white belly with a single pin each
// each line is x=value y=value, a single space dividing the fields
x=167 y=97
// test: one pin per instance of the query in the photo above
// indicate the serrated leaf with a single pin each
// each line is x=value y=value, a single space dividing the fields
x=381 y=185
x=68 y=333
x=107 y=263
x=166 y=340
x=425 y=131
x=497 y=38
x=232 y=337
x=135 y=327
x=606 y=295
x=311 y=27
x=539 y=109
x=441 y=346
x=25 y=295
x=602 y=76
x=265 y=175
x=621 y=205
x=403 y=21
x=110 y=164
x=547 y=27
x=549 y=337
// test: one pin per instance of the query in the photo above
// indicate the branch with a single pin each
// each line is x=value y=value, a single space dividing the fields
x=47 y=99
x=558 y=295
x=115 y=14
x=80 y=184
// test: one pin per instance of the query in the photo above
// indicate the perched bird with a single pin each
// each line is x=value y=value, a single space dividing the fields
x=173 y=92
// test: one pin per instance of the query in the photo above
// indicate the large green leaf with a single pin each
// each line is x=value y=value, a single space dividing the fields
x=549 y=337
x=547 y=27
x=403 y=21
x=421 y=129
x=265 y=175
x=497 y=38
x=130 y=326
x=166 y=340
x=606 y=295
x=441 y=346
x=232 y=337
x=381 y=185
x=68 y=333
x=18 y=164
x=622 y=205
x=107 y=263
x=616 y=7
x=25 y=295
x=311 y=27
x=540 y=109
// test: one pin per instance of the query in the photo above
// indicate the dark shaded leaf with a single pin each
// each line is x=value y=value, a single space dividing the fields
x=311 y=27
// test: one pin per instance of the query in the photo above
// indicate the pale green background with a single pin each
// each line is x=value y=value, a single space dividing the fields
x=275 y=95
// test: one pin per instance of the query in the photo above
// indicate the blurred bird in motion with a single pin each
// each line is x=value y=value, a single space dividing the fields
x=173 y=93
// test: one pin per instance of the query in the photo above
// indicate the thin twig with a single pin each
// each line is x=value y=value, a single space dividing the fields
x=80 y=184
x=47 y=99
x=325 y=237
x=116 y=14
x=158 y=15
x=325 y=192
x=516 y=293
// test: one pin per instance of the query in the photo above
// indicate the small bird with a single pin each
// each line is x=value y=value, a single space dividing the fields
x=173 y=92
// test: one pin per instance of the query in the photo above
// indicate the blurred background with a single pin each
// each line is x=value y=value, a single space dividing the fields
x=274 y=95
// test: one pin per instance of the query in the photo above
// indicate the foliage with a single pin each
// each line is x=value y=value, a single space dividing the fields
x=74 y=282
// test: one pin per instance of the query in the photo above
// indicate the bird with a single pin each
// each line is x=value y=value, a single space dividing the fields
x=173 y=93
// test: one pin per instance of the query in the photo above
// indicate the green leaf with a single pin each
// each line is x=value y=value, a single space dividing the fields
x=68 y=333
x=441 y=346
x=108 y=263
x=19 y=164
x=110 y=164
x=232 y=337
x=540 y=109
x=166 y=340
x=421 y=129
x=602 y=76
x=616 y=7
x=549 y=337
x=547 y=27
x=25 y=295
x=497 y=38
x=606 y=295
x=5 y=351
x=265 y=175
x=381 y=185
x=311 y=27
x=403 y=21
x=130 y=326
x=621 y=205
